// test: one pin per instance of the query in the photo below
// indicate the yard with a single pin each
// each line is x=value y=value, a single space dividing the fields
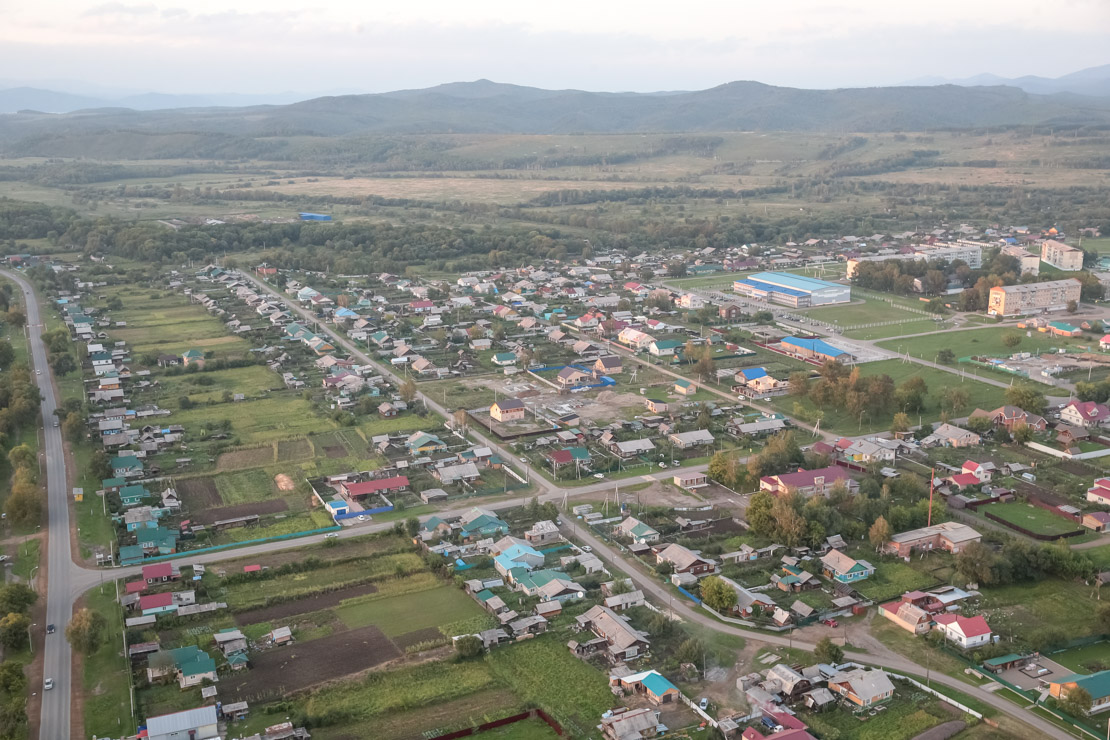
x=906 y=716
x=411 y=612
x=1085 y=658
x=892 y=578
x=1032 y=518
x=1024 y=608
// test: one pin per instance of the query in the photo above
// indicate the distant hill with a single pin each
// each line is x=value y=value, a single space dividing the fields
x=23 y=98
x=1093 y=81
x=488 y=107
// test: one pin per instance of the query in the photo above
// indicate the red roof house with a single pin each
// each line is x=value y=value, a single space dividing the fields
x=382 y=485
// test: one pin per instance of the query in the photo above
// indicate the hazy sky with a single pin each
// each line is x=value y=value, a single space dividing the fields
x=276 y=45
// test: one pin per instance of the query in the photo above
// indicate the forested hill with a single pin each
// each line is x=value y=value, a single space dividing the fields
x=486 y=107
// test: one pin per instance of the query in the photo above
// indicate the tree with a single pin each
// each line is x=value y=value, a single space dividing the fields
x=461 y=418
x=717 y=594
x=1072 y=308
x=63 y=363
x=469 y=646
x=946 y=356
x=13 y=630
x=228 y=396
x=407 y=390
x=1011 y=339
x=7 y=354
x=827 y=651
x=799 y=383
x=705 y=368
x=13 y=681
x=1022 y=433
x=979 y=424
x=412 y=526
x=880 y=532
x=691 y=651
x=24 y=505
x=790 y=526
x=1026 y=397
x=16 y=597
x=21 y=456
x=100 y=466
x=185 y=403
x=86 y=631
x=955 y=398
x=1103 y=614
x=759 y=515
x=901 y=423
x=1077 y=702
x=73 y=427
x=910 y=396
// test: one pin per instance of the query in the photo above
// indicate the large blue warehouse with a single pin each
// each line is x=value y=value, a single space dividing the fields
x=796 y=291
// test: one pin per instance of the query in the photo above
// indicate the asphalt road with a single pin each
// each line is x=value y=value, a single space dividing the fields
x=57 y=656
x=67 y=581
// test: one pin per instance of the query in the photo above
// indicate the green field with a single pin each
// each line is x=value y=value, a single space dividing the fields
x=169 y=323
x=891 y=579
x=907 y=715
x=210 y=386
x=862 y=310
x=261 y=420
x=107 y=706
x=985 y=341
x=980 y=395
x=1078 y=658
x=410 y=612
x=1032 y=518
x=1030 y=606
x=894 y=330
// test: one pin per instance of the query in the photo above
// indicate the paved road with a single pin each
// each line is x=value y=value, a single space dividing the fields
x=651 y=586
x=57 y=658
x=68 y=580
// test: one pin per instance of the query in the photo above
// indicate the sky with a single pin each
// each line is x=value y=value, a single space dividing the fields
x=269 y=46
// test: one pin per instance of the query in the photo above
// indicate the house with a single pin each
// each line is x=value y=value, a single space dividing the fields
x=507 y=410
x=1097 y=521
x=966 y=632
x=157 y=604
x=504 y=359
x=387 y=410
x=684 y=561
x=160 y=573
x=685 y=388
x=948 y=435
x=844 y=569
x=1085 y=414
x=690 y=481
x=655 y=405
x=637 y=531
x=650 y=684
x=422 y=443
x=664 y=347
x=572 y=377
x=948 y=536
x=982 y=471
x=479 y=524
x=809 y=482
x=862 y=687
x=632 y=448
x=630 y=724
x=230 y=641
x=1097 y=685
x=532 y=625
x=622 y=642
x=193 y=357
x=380 y=486
x=201 y=723
x=543 y=533
x=517 y=556
x=635 y=339
x=907 y=615
x=608 y=365
x=1010 y=416
x=690 y=440
x=620 y=602
x=466 y=472
x=279 y=636
x=190 y=664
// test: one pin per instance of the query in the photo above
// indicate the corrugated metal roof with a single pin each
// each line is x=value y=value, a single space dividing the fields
x=180 y=721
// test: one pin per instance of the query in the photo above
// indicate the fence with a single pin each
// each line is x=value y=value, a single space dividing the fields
x=1061 y=454
x=245 y=543
x=1027 y=533
x=937 y=694
x=469 y=731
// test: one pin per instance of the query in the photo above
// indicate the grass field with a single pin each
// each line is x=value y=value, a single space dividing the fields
x=1079 y=658
x=107 y=707
x=906 y=716
x=985 y=341
x=892 y=578
x=410 y=612
x=160 y=322
x=262 y=420
x=1032 y=518
x=980 y=395
x=1029 y=606
x=862 y=310
x=894 y=330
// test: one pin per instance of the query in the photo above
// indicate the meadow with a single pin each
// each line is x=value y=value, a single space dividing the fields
x=1032 y=518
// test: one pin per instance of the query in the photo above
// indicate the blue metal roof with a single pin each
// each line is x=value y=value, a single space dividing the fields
x=814 y=345
x=797 y=282
x=772 y=288
x=754 y=372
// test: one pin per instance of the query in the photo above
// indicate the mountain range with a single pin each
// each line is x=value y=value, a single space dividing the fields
x=489 y=107
x=1093 y=81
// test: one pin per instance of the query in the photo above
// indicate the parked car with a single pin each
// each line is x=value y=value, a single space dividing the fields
x=362 y=517
x=703 y=704
x=830 y=623
x=587 y=548
x=331 y=535
x=599 y=476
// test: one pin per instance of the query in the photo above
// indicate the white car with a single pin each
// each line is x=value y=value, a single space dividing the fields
x=38 y=372
x=331 y=535
x=362 y=517
x=587 y=548
x=599 y=476
x=48 y=684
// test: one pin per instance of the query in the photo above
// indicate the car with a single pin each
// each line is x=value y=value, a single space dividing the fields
x=49 y=629
x=331 y=535
x=599 y=476
x=362 y=517
x=48 y=684
x=55 y=422
x=662 y=464
x=703 y=704
x=830 y=623
x=587 y=548
x=38 y=372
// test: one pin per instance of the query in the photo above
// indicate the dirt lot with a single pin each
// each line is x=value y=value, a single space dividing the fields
x=218 y=513
x=335 y=451
x=199 y=494
x=281 y=671
x=250 y=458
x=278 y=612
x=608 y=405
